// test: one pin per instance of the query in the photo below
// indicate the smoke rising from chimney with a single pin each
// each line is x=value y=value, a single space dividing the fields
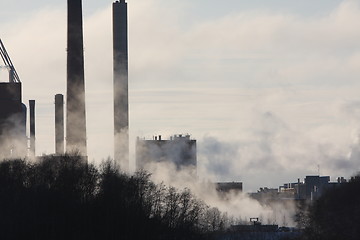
x=238 y=206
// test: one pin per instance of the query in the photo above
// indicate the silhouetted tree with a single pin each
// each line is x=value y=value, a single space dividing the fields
x=64 y=197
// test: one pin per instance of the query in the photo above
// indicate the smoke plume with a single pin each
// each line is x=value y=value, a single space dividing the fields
x=238 y=206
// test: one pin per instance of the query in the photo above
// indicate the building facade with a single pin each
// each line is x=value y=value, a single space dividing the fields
x=13 y=140
x=179 y=150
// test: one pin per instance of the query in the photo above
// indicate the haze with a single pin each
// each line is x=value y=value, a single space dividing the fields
x=269 y=90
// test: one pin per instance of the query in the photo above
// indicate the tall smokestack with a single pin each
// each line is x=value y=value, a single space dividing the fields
x=75 y=108
x=59 y=124
x=32 y=127
x=121 y=99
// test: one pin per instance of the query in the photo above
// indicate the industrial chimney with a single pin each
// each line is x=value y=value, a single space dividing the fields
x=32 y=127
x=59 y=124
x=121 y=102
x=75 y=99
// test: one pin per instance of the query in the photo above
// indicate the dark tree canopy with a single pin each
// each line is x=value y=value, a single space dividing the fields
x=66 y=198
x=336 y=215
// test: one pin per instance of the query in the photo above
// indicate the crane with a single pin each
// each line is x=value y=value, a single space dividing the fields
x=13 y=76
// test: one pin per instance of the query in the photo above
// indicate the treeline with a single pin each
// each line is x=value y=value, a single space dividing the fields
x=336 y=214
x=66 y=198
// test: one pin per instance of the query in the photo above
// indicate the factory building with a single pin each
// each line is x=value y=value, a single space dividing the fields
x=315 y=186
x=13 y=140
x=225 y=188
x=179 y=150
x=310 y=189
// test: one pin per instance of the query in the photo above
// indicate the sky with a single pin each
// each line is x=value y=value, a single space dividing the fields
x=269 y=89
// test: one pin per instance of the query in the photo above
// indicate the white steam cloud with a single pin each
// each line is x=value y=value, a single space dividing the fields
x=276 y=93
x=237 y=206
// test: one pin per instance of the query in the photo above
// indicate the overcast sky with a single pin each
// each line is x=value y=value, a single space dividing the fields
x=269 y=88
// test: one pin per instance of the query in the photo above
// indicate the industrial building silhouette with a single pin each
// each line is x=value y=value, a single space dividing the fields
x=179 y=150
x=14 y=141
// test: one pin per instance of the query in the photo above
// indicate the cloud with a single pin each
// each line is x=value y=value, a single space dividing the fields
x=273 y=153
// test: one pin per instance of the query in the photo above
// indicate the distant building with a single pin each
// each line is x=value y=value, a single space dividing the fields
x=13 y=140
x=256 y=230
x=179 y=150
x=266 y=195
x=296 y=190
x=312 y=187
x=258 y=227
x=229 y=187
x=315 y=186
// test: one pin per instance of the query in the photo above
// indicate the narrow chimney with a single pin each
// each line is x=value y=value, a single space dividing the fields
x=75 y=99
x=59 y=124
x=121 y=102
x=32 y=127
